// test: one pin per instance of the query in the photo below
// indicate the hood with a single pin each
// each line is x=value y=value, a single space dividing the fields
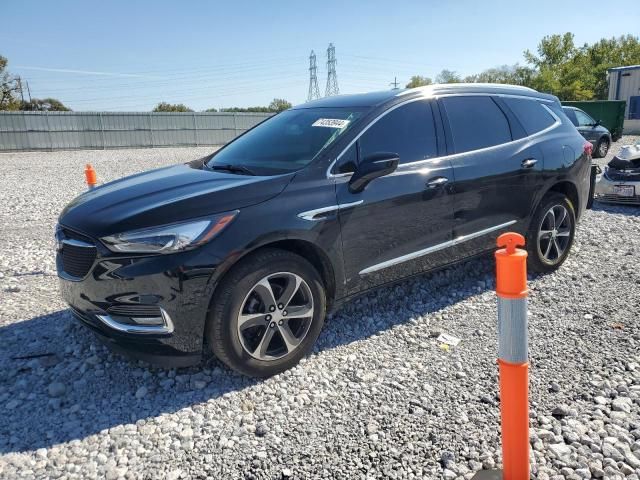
x=166 y=195
x=628 y=158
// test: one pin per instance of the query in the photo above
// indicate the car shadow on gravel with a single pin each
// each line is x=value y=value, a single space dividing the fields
x=58 y=383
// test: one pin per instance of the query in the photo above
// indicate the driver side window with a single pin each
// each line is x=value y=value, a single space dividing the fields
x=408 y=130
x=584 y=120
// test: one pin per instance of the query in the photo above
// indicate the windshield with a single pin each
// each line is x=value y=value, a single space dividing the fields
x=286 y=142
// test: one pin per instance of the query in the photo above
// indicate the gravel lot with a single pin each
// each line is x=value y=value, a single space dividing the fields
x=378 y=398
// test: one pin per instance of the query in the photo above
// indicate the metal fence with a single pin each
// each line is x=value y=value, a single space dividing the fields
x=102 y=130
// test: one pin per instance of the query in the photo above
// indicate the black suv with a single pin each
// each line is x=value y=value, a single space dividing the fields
x=249 y=247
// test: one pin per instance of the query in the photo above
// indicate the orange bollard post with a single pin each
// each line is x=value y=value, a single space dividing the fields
x=511 y=288
x=90 y=176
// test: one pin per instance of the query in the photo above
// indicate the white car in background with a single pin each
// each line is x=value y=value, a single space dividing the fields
x=620 y=181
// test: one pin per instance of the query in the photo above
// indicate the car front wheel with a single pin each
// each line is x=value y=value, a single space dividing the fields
x=550 y=237
x=267 y=313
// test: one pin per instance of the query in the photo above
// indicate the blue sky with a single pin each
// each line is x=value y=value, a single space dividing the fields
x=129 y=55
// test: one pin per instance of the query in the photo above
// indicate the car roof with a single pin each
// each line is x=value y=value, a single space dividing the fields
x=567 y=107
x=373 y=99
x=370 y=99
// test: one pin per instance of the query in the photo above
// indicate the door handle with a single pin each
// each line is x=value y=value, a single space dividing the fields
x=529 y=162
x=437 y=182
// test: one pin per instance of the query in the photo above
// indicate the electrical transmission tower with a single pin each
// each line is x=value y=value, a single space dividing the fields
x=314 y=91
x=332 y=76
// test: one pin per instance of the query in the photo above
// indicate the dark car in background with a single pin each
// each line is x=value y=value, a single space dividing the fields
x=591 y=130
x=248 y=248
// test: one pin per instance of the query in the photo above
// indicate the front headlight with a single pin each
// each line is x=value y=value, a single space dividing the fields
x=169 y=238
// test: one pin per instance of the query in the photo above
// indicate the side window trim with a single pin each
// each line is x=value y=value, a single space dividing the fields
x=442 y=120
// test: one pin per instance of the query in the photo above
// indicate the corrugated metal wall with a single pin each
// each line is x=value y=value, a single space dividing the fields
x=624 y=83
x=100 y=130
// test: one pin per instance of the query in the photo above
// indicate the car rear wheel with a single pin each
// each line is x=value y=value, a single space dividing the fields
x=602 y=147
x=550 y=237
x=267 y=313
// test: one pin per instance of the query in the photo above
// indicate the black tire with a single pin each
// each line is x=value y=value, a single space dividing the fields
x=537 y=260
x=602 y=148
x=221 y=330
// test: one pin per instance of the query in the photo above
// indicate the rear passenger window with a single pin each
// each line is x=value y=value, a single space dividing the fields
x=408 y=130
x=532 y=115
x=476 y=122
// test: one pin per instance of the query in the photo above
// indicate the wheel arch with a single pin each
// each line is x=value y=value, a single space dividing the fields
x=569 y=190
x=311 y=252
x=566 y=188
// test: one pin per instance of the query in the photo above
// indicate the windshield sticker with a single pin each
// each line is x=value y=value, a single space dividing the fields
x=330 y=122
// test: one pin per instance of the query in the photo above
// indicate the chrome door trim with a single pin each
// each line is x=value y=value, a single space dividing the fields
x=434 y=248
x=402 y=166
x=310 y=214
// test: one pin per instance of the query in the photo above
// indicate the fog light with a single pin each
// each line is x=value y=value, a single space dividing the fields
x=150 y=324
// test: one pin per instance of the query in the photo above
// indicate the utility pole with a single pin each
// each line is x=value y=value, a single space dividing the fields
x=394 y=83
x=332 y=76
x=28 y=90
x=314 y=91
x=20 y=87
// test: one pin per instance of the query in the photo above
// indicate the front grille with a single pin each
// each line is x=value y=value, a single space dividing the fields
x=135 y=310
x=608 y=197
x=78 y=253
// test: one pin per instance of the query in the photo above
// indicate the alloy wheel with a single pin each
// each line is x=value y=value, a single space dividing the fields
x=603 y=148
x=554 y=234
x=275 y=316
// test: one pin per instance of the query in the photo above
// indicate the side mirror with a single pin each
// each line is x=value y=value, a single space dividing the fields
x=598 y=122
x=373 y=166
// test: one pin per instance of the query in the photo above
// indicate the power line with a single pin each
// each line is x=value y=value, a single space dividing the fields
x=314 y=91
x=332 y=76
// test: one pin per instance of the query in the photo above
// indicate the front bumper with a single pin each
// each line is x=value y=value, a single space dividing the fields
x=149 y=307
x=605 y=191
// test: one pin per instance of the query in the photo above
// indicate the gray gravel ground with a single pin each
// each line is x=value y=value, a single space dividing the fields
x=378 y=398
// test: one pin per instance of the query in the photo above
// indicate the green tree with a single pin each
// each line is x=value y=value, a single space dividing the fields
x=246 y=109
x=171 y=107
x=9 y=88
x=279 y=104
x=607 y=53
x=44 y=105
x=448 y=76
x=562 y=68
x=418 y=81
